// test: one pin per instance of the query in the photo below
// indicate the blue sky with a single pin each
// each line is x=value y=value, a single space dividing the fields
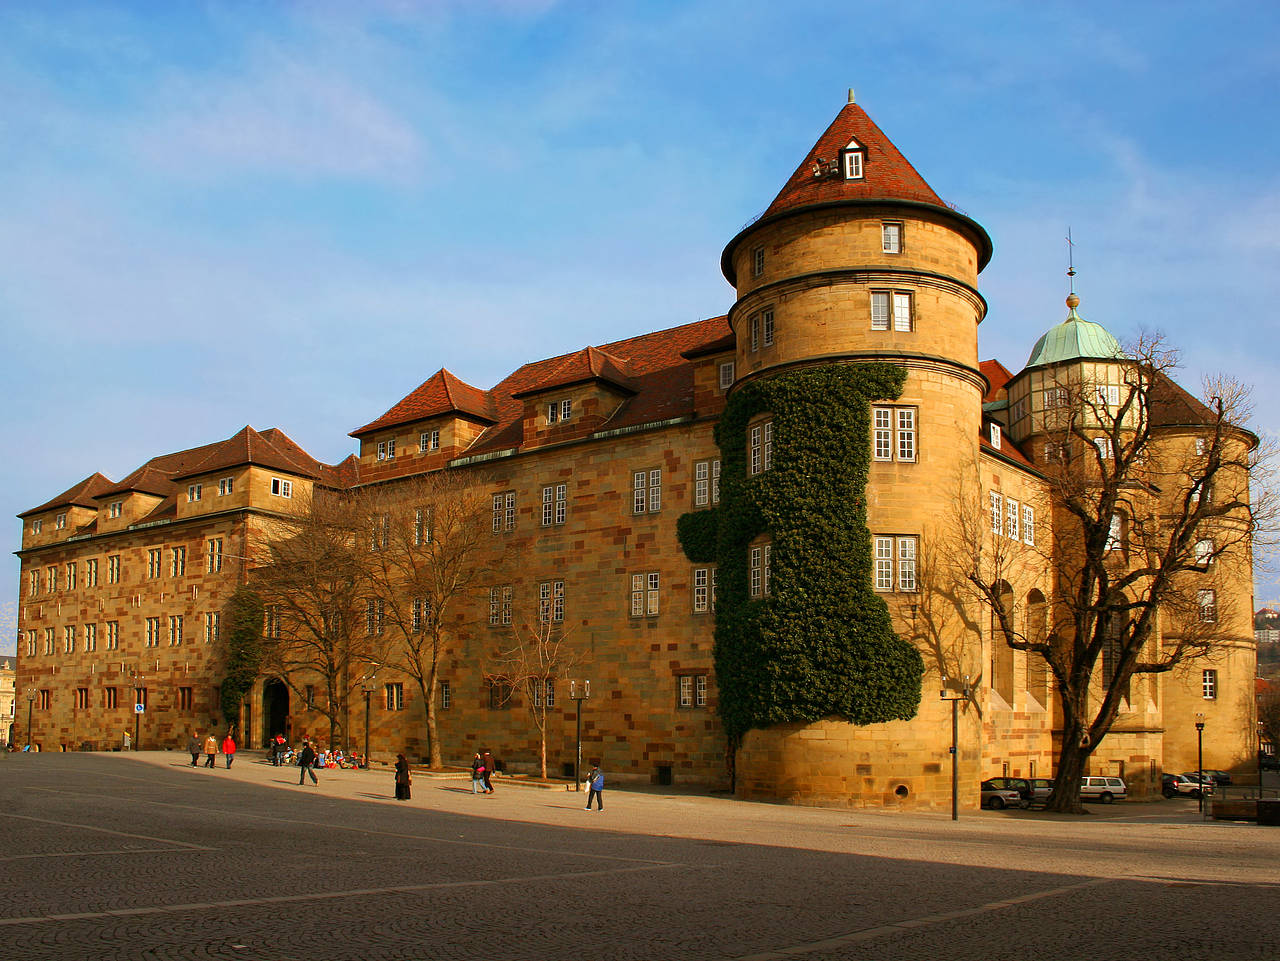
x=290 y=215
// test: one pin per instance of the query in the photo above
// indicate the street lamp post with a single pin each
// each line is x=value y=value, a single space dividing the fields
x=366 y=686
x=1261 y=728
x=31 y=700
x=578 y=695
x=1200 y=759
x=955 y=695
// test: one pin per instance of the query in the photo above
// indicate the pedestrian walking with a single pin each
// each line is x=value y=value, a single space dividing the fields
x=210 y=750
x=305 y=760
x=488 y=772
x=403 y=780
x=595 y=785
x=229 y=749
x=277 y=749
x=193 y=746
x=477 y=774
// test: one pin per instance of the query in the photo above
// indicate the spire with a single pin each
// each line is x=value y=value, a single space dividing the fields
x=879 y=171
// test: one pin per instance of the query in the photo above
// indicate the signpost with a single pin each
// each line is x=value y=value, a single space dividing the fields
x=955 y=692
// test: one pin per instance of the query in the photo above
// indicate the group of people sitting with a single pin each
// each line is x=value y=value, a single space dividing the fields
x=281 y=753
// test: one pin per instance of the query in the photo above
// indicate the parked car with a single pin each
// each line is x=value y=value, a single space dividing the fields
x=1197 y=777
x=1179 y=785
x=1041 y=788
x=1270 y=762
x=1019 y=784
x=1103 y=789
x=998 y=797
x=1219 y=777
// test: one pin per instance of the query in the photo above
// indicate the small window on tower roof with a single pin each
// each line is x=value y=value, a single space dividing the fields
x=995 y=436
x=853 y=155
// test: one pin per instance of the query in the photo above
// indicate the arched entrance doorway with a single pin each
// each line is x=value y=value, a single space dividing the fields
x=275 y=710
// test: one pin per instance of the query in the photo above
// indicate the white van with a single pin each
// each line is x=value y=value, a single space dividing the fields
x=1103 y=789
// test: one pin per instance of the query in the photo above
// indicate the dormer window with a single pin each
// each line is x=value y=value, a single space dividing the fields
x=194 y=492
x=60 y=522
x=559 y=410
x=386 y=449
x=115 y=509
x=852 y=157
x=37 y=526
x=995 y=436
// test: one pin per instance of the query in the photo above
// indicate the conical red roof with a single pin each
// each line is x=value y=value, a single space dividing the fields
x=886 y=173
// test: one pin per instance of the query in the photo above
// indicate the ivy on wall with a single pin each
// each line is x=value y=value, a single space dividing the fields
x=821 y=644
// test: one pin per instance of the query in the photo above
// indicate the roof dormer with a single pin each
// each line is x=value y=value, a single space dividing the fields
x=853 y=158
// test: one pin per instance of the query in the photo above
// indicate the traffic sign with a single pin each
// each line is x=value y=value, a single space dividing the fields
x=139 y=708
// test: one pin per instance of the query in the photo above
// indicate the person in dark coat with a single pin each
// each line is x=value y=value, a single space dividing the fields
x=193 y=745
x=477 y=774
x=306 y=759
x=488 y=772
x=403 y=780
x=595 y=786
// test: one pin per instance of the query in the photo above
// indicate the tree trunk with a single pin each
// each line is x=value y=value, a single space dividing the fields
x=1072 y=757
x=542 y=731
x=435 y=757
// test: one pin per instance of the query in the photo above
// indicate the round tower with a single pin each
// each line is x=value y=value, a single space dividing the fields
x=857 y=260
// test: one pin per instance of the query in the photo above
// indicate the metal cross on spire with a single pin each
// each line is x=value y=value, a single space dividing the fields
x=1071 y=266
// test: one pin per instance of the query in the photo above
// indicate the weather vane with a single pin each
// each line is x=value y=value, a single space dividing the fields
x=1071 y=265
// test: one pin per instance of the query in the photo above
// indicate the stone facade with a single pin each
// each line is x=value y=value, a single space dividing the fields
x=591 y=458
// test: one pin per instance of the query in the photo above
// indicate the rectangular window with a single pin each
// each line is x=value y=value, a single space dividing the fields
x=271 y=617
x=1055 y=397
x=113 y=569
x=185 y=698
x=500 y=605
x=309 y=696
x=997 y=512
x=1209 y=684
x=504 y=511
x=499 y=695
x=194 y=492
x=551 y=602
x=113 y=635
x=110 y=699
x=177 y=561
x=1108 y=395
x=1057 y=453
x=879 y=310
x=706 y=483
x=1028 y=526
x=1103 y=444
x=71 y=577
x=212 y=627
x=895 y=563
x=153 y=632
x=1204 y=552
x=422 y=520
x=893 y=433
x=175 y=630
x=213 y=555
x=281 y=487
x=543 y=689
x=646 y=491
x=726 y=375
x=53 y=579
x=386 y=449
x=766 y=327
x=226 y=485
x=37 y=526
x=429 y=440
x=82 y=698
x=1115 y=534
x=395 y=697
x=704 y=579
x=91 y=572
x=995 y=436
x=33 y=583
x=1012 y=518
x=90 y=637
x=1207 y=602
x=1202 y=446
x=153 y=562
x=754 y=325
x=115 y=508
x=644 y=594
x=902 y=313
x=853 y=165
x=69 y=639
x=31 y=643
x=757 y=262
x=446 y=695
x=48 y=640
x=374 y=612
x=891 y=237
x=554 y=504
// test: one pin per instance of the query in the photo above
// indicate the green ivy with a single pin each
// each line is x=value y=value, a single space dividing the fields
x=821 y=644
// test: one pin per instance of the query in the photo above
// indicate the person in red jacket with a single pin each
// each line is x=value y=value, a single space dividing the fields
x=229 y=749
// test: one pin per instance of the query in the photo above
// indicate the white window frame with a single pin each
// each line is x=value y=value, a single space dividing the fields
x=893 y=433
x=1209 y=684
x=212 y=627
x=706 y=482
x=69 y=639
x=646 y=491
x=393 y=692
x=1028 y=525
x=555 y=504
x=757 y=261
x=995 y=435
x=113 y=635
x=1204 y=551
x=446 y=695
x=551 y=602
x=704 y=589
x=60 y=522
x=895 y=559
x=226 y=485
x=175 y=630
x=904 y=312
x=504 y=511
x=880 y=310
x=996 y=501
x=115 y=509
x=280 y=487
x=645 y=590
x=177 y=562
x=428 y=440
x=853 y=163
x=194 y=492
x=1207 y=605
x=90 y=638
x=727 y=374
x=891 y=236
x=1012 y=517
x=1103 y=446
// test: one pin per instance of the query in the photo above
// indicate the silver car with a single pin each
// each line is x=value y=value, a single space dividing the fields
x=1103 y=789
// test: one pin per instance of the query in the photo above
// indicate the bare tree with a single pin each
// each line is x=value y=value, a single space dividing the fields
x=539 y=656
x=431 y=547
x=323 y=618
x=1157 y=500
x=1269 y=718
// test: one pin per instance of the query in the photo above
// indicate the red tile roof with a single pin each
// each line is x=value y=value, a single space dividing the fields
x=582 y=367
x=271 y=448
x=1007 y=449
x=441 y=393
x=997 y=376
x=80 y=495
x=887 y=174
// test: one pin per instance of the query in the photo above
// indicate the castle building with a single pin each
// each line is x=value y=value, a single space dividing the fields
x=591 y=459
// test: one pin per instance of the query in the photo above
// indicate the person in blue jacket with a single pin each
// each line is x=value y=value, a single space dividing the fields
x=595 y=784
